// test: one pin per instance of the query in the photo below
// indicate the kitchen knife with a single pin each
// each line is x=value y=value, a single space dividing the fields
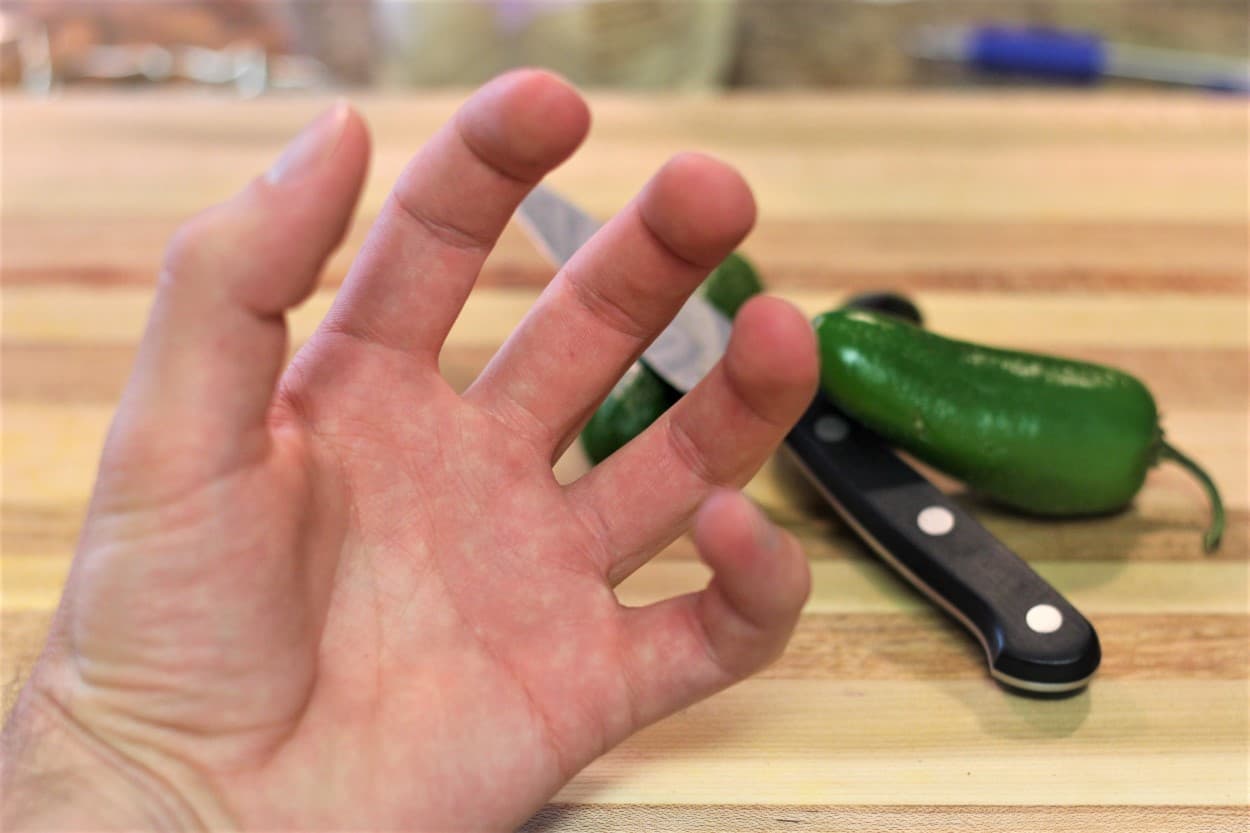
x=1034 y=639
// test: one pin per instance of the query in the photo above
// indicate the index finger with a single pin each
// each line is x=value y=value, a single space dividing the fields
x=449 y=207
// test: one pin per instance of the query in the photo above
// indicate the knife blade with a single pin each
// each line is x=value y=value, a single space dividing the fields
x=1033 y=638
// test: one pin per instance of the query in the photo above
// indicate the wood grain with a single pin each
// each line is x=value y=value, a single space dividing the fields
x=95 y=373
x=1088 y=256
x=859 y=586
x=1111 y=228
x=59 y=315
x=936 y=742
x=745 y=818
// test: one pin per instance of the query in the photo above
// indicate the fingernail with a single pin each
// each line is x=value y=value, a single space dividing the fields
x=313 y=146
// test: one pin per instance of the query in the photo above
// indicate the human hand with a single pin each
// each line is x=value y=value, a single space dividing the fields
x=345 y=596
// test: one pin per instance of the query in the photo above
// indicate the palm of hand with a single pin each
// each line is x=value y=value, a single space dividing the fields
x=468 y=574
x=370 y=592
x=446 y=561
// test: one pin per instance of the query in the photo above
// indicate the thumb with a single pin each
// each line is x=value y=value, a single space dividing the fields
x=198 y=397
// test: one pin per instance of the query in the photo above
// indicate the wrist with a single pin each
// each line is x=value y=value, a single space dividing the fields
x=56 y=775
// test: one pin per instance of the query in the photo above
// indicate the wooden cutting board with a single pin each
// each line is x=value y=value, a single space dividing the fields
x=1109 y=228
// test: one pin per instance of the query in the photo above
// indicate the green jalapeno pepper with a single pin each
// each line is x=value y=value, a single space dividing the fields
x=1042 y=434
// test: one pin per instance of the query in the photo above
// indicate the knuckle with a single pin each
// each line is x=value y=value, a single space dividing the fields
x=443 y=230
x=739 y=648
x=192 y=244
x=691 y=454
x=760 y=648
x=772 y=651
x=607 y=310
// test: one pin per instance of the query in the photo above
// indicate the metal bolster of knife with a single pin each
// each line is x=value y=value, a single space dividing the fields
x=1034 y=639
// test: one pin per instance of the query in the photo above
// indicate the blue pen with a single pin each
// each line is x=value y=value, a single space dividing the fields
x=1081 y=57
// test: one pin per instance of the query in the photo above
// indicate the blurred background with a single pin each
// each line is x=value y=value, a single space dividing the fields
x=255 y=46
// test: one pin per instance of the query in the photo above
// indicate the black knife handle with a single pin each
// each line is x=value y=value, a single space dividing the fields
x=1033 y=637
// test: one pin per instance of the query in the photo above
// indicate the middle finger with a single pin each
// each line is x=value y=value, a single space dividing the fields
x=612 y=298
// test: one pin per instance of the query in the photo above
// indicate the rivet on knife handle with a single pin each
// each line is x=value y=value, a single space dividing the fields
x=1034 y=639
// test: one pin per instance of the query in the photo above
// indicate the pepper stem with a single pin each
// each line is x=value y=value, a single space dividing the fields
x=1210 y=540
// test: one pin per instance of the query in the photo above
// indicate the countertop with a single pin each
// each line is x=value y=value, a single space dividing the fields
x=1107 y=227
